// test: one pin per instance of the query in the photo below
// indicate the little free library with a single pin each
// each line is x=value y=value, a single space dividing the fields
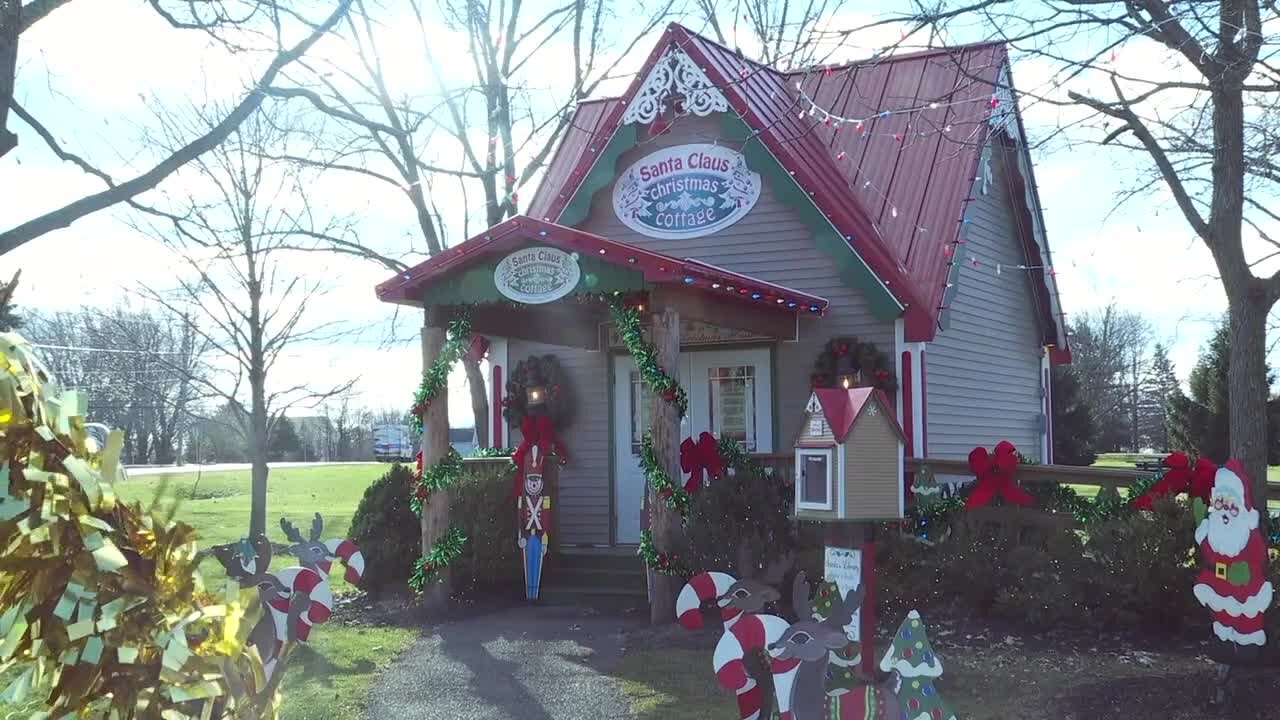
x=723 y=240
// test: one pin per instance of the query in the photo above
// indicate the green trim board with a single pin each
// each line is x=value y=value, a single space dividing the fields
x=475 y=284
x=602 y=172
x=853 y=270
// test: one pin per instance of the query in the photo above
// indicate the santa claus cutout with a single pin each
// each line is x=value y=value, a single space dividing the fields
x=1233 y=583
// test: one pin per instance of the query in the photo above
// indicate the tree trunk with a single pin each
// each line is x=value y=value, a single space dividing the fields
x=479 y=400
x=435 y=445
x=665 y=427
x=1247 y=389
x=10 y=19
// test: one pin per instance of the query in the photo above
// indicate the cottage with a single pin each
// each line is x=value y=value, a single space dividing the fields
x=889 y=202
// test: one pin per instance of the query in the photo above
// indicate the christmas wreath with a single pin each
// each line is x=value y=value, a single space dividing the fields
x=849 y=357
x=538 y=371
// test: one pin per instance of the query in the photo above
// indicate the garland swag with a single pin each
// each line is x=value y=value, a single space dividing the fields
x=660 y=562
x=851 y=355
x=441 y=555
x=655 y=378
x=442 y=476
x=436 y=378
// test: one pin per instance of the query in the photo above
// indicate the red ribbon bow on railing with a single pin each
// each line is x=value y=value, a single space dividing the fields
x=536 y=431
x=701 y=460
x=994 y=475
x=1181 y=477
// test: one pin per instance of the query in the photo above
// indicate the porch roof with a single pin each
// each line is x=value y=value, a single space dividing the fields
x=410 y=287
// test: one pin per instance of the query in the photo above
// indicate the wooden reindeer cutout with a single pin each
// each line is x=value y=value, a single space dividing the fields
x=801 y=655
x=248 y=562
x=318 y=555
x=733 y=597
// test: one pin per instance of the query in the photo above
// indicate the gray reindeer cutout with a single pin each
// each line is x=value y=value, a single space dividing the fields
x=733 y=597
x=248 y=562
x=318 y=555
x=802 y=690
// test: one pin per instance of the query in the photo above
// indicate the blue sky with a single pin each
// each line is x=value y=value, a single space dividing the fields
x=96 y=92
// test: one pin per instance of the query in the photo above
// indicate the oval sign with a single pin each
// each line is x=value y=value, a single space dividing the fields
x=536 y=275
x=685 y=191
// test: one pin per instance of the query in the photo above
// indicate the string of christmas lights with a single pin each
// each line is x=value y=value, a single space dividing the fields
x=836 y=121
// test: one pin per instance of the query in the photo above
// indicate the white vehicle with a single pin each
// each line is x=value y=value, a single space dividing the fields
x=392 y=443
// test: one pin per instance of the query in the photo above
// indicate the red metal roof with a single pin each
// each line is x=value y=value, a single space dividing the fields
x=407 y=287
x=896 y=188
x=842 y=408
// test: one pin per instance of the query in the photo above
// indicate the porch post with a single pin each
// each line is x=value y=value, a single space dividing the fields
x=435 y=445
x=665 y=428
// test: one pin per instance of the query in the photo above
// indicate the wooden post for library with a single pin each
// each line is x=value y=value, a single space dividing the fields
x=435 y=446
x=665 y=429
x=860 y=536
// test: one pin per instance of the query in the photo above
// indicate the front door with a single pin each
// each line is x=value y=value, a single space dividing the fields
x=730 y=393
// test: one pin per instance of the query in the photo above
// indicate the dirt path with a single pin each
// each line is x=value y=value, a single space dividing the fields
x=530 y=663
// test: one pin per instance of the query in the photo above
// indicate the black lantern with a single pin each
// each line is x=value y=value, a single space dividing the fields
x=848 y=374
x=535 y=395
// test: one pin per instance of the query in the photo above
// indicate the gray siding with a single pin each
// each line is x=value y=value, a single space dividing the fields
x=983 y=371
x=583 y=509
x=771 y=243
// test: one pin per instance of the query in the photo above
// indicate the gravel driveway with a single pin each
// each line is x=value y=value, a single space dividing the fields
x=526 y=663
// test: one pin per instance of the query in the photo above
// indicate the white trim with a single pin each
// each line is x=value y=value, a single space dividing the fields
x=801 y=453
x=498 y=350
x=839 y=482
x=1230 y=634
x=899 y=344
x=1046 y=406
x=675 y=72
x=1252 y=607
x=902 y=481
x=917 y=398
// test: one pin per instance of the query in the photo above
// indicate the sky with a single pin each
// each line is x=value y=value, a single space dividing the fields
x=100 y=95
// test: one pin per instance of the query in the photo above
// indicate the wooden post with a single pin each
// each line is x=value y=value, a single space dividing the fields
x=435 y=445
x=867 y=630
x=665 y=427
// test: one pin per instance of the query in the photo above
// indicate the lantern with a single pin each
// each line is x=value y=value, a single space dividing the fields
x=536 y=395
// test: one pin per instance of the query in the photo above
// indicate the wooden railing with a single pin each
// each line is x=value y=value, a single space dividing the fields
x=782 y=466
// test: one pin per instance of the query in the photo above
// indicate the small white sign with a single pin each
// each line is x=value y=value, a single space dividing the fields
x=685 y=191
x=843 y=566
x=537 y=275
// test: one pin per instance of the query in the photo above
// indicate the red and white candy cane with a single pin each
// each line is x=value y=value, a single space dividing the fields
x=315 y=587
x=348 y=553
x=752 y=633
x=701 y=588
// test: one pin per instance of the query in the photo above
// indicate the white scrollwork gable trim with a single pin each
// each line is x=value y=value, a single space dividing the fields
x=675 y=73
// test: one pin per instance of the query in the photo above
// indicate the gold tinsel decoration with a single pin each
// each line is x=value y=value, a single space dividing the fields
x=103 y=613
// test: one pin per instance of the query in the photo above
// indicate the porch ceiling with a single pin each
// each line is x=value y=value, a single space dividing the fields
x=462 y=275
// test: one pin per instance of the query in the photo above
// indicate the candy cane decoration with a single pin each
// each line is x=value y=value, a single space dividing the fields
x=751 y=633
x=315 y=587
x=349 y=554
x=702 y=588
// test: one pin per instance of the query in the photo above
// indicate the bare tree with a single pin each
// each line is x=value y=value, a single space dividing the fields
x=1200 y=112
x=242 y=26
x=420 y=142
x=784 y=35
x=232 y=231
x=1110 y=351
x=139 y=369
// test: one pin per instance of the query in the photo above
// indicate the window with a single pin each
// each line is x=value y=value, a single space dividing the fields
x=641 y=411
x=813 y=479
x=733 y=403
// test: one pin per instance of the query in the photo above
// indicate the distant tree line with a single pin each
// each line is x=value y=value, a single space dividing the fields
x=1121 y=394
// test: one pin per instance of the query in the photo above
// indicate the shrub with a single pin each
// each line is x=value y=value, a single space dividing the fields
x=387 y=531
x=745 y=514
x=483 y=507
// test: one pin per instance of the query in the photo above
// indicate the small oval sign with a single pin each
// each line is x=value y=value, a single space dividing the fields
x=685 y=191
x=536 y=275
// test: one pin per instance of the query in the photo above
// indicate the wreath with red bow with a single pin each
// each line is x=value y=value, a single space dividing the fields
x=538 y=371
x=851 y=356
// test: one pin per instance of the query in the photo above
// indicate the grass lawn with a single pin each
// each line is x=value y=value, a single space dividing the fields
x=330 y=675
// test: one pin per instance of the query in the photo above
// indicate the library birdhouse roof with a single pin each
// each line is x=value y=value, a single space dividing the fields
x=844 y=408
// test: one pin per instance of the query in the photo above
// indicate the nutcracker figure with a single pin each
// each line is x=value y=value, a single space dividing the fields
x=534 y=506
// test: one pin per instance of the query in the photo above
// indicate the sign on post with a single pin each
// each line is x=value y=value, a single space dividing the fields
x=843 y=566
x=685 y=191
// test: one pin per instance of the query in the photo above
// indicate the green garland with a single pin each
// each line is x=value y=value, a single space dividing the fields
x=436 y=378
x=660 y=562
x=672 y=495
x=443 y=554
x=441 y=476
x=655 y=378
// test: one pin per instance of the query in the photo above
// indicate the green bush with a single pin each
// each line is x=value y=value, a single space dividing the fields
x=482 y=505
x=387 y=531
x=744 y=515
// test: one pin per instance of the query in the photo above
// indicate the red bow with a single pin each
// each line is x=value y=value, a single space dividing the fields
x=537 y=431
x=1181 y=477
x=700 y=459
x=994 y=475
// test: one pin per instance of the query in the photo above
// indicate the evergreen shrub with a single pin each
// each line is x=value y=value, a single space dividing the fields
x=387 y=532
